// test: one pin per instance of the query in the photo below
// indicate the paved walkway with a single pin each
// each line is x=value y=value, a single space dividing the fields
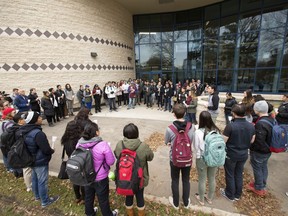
x=151 y=120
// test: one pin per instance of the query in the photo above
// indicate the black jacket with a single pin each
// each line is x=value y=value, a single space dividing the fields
x=228 y=105
x=282 y=116
x=263 y=132
x=47 y=106
x=215 y=101
x=34 y=102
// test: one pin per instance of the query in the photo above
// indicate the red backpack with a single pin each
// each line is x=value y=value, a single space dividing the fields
x=182 y=149
x=129 y=174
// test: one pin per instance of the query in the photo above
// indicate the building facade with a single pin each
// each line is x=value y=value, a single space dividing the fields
x=236 y=44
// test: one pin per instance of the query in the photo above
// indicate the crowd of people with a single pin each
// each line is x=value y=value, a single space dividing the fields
x=247 y=128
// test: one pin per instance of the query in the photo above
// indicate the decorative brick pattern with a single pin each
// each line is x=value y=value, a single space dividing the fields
x=60 y=35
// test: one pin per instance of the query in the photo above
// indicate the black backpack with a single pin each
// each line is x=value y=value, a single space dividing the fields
x=19 y=156
x=80 y=167
x=8 y=139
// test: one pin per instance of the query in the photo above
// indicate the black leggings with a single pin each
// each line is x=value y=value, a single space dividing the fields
x=139 y=198
x=49 y=118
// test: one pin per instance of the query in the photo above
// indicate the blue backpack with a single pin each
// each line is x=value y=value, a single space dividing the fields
x=279 y=142
x=215 y=149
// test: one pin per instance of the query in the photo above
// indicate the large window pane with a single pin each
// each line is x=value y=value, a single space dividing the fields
x=167 y=36
x=229 y=8
x=209 y=76
x=228 y=25
x=194 y=56
x=212 y=12
x=245 y=79
x=143 y=36
x=181 y=17
x=167 y=19
x=155 y=20
x=212 y=28
x=180 y=33
x=247 y=5
x=167 y=56
x=224 y=80
x=227 y=47
x=274 y=19
x=180 y=57
x=270 y=47
x=283 y=85
x=194 y=32
x=248 y=49
x=285 y=54
x=210 y=53
x=249 y=22
x=150 y=57
x=155 y=35
x=266 y=80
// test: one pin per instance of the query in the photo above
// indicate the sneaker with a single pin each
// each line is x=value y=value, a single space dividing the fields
x=250 y=186
x=188 y=205
x=236 y=199
x=51 y=200
x=259 y=192
x=172 y=203
x=115 y=212
x=222 y=192
x=95 y=210
x=29 y=189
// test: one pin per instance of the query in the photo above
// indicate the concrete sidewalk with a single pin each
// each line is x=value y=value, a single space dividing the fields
x=152 y=120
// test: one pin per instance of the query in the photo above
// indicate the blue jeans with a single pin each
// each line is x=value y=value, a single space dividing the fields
x=259 y=164
x=112 y=103
x=131 y=102
x=88 y=105
x=40 y=183
x=168 y=103
x=101 y=188
x=190 y=117
x=234 y=178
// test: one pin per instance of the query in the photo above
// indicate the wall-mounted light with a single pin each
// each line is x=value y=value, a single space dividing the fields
x=93 y=54
x=129 y=58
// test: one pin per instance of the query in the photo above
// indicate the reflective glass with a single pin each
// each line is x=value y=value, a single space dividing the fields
x=266 y=80
x=155 y=35
x=274 y=19
x=155 y=20
x=136 y=38
x=211 y=28
x=224 y=80
x=180 y=34
x=283 y=85
x=180 y=60
x=209 y=76
x=248 y=50
x=285 y=53
x=167 y=36
x=194 y=56
x=270 y=47
x=245 y=79
x=143 y=36
x=167 y=56
x=143 y=21
x=250 y=4
x=228 y=25
x=150 y=57
x=212 y=12
x=249 y=22
x=227 y=45
x=181 y=17
x=167 y=19
x=194 y=32
x=273 y=2
x=229 y=8
x=210 y=53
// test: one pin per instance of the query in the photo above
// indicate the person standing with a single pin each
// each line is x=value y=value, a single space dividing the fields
x=111 y=94
x=22 y=102
x=61 y=101
x=47 y=106
x=55 y=102
x=238 y=136
x=37 y=144
x=144 y=153
x=34 y=100
x=230 y=101
x=80 y=96
x=260 y=149
x=180 y=124
x=69 y=95
x=97 y=94
x=88 y=98
x=191 y=105
x=213 y=102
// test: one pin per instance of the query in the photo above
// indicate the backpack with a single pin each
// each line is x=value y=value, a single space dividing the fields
x=215 y=149
x=129 y=177
x=80 y=166
x=182 y=147
x=19 y=156
x=7 y=139
x=279 y=142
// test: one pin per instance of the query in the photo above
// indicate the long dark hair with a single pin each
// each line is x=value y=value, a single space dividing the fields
x=205 y=121
x=72 y=133
x=90 y=131
x=83 y=114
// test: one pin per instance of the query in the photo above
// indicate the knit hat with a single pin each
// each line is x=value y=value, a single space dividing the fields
x=261 y=107
x=7 y=111
x=87 y=86
x=32 y=117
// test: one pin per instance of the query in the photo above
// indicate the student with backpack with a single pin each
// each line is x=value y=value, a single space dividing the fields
x=238 y=136
x=144 y=154
x=179 y=136
x=206 y=126
x=103 y=158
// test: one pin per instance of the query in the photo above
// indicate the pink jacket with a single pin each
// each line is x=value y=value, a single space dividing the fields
x=101 y=153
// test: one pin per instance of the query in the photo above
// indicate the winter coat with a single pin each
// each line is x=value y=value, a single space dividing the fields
x=34 y=102
x=228 y=105
x=102 y=154
x=192 y=107
x=47 y=106
x=143 y=151
x=282 y=116
x=21 y=103
x=213 y=103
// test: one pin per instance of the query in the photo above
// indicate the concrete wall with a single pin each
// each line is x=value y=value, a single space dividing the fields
x=48 y=42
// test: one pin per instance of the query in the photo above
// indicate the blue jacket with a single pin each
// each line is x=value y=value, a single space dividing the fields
x=21 y=103
x=37 y=143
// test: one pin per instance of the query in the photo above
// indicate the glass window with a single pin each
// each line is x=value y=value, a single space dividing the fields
x=248 y=49
x=181 y=17
x=266 y=80
x=167 y=36
x=143 y=36
x=274 y=19
x=167 y=19
x=195 y=15
x=209 y=76
x=273 y=2
x=285 y=54
x=180 y=33
x=250 y=21
x=210 y=53
x=155 y=35
x=229 y=8
x=227 y=47
x=150 y=57
x=283 y=85
x=155 y=20
x=212 y=12
x=136 y=38
x=143 y=21
x=180 y=56
x=224 y=80
x=167 y=56
x=194 y=56
x=228 y=25
x=270 y=47
x=194 y=32
x=245 y=79
x=247 y=5
x=211 y=28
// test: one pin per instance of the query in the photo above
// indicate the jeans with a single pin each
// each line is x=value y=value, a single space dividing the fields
x=259 y=164
x=126 y=98
x=175 y=173
x=139 y=198
x=40 y=183
x=69 y=104
x=234 y=178
x=190 y=117
x=112 y=103
x=149 y=100
x=160 y=101
x=203 y=172
x=101 y=188
x=88 y=105
x=168 y=103
x=131 y=103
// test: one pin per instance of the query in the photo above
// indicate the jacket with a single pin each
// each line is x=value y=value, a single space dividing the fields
x=143 y=151
x=47 y=106
x=34 y=102
x=282 y=116
x=228 y=105
x=263 y=132
x=192 y=107
x=37 y=143
x=102 y=154
x=21 y=102
x=213 y=103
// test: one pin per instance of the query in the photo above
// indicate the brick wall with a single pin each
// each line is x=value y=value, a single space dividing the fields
x=45 y=43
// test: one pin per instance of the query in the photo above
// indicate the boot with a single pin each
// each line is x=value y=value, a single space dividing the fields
x=141 y=211
x=129 y=210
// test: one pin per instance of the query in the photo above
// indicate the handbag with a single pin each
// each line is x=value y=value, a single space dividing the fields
x=62 y=173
